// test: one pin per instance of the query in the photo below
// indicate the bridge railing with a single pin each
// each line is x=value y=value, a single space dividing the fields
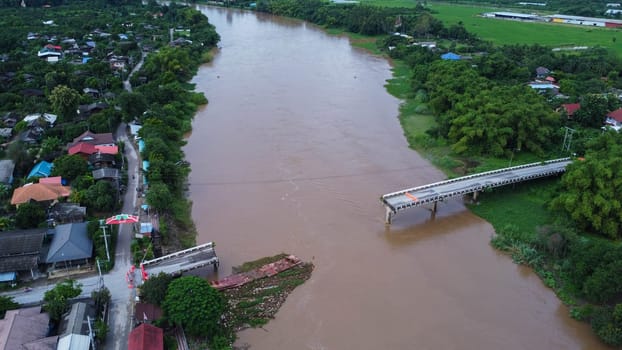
x=471 y=189
x=209 y=245
x=468 y=177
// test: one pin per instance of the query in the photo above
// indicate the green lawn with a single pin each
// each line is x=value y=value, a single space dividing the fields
x=523 y=205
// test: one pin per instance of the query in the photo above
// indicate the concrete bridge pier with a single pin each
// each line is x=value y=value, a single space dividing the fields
x=388 y=215
x=475 y=196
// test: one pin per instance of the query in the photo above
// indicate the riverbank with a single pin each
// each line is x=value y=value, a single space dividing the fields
x=526 y=227
x=255 y=302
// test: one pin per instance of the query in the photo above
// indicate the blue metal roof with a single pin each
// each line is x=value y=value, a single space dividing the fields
x=7 y=276
x=42 y=169
x=450 y=56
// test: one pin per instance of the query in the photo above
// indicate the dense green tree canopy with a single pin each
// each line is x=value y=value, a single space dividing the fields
x=56 y=300
x=29 y=215
x=70 y=166
x=153 y=290
x=65 y=101
x=191 y=302
x=101 y=196
x=592 y=188
x=499 y=120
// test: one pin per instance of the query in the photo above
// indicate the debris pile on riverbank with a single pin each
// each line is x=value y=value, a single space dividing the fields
x=255 y=302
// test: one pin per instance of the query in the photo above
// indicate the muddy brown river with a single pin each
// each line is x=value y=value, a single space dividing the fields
x=297 y=144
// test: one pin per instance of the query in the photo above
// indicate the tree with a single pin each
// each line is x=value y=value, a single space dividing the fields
x=18 y=153
x=101 y=298
x=159 y=196
x=133 y=104
x=499 y=120
x=7 y=303
x=50 y=146
x=594 y=108
x=592 y=188
x=153 y=290
x=56 y=300
x=101 y=196
x=192 y=303
x=70 y=167
x=607 y=324
x=65 y=101
x=29 y=215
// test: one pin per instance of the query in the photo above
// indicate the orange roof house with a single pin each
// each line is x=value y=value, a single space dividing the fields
x=39 y=193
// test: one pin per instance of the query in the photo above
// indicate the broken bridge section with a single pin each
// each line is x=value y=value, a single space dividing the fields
x=182 y=261
x=439 y=191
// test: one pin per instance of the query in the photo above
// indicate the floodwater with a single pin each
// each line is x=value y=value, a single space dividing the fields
x=297 y=144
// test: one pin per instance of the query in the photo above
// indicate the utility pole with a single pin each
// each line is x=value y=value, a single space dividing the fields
x=103 y=227
x=567 y=139
x=101 y=278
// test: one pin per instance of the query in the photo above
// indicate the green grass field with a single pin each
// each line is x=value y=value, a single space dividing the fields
x=512 y=32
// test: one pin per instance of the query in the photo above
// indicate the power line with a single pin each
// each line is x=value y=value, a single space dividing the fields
x=303 y=179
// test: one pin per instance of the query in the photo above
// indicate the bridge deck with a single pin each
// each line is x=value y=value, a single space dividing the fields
x=182 y=261
x=439 y=191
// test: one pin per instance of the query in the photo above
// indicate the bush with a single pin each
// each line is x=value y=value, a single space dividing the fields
x=607 y=324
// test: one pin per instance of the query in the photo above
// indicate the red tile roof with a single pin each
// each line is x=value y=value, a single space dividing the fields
x=82 y=147
x=39 y=193
x=616 y=115
x=146 y=337
x=571 y=108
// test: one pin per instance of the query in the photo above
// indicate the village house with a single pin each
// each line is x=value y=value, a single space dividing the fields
x=41 y=169
x=75 y=329
x=20 y=253
x=569 y=109
x=146 y=337
x=104 y=139
x=614 y=119
x=50 y=53
x=37 y=192
x=26 y=329
x=70 y=245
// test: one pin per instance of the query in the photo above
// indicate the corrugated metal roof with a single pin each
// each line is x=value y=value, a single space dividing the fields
x=74 y=342
x=70 y=242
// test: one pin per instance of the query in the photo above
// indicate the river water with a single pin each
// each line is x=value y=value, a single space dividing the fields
x=297 y=144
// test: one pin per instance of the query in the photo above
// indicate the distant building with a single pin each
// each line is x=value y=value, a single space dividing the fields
x=450 y=56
